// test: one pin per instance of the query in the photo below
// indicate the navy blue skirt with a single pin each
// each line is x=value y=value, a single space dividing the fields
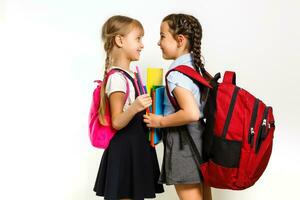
x=129 y=166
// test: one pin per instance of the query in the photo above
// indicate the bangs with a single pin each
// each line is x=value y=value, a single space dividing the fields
x=136 y=24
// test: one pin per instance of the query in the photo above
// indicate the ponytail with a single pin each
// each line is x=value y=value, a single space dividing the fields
x=103 y=100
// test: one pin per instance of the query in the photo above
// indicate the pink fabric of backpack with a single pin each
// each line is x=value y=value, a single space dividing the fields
x=101 y=134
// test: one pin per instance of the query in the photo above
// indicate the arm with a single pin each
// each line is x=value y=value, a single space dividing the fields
x=119 y=118
x=189 y=111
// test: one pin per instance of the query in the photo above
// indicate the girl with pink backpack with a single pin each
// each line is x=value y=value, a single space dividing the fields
x=129 y=168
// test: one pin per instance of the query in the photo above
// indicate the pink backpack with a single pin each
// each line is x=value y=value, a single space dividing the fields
x=100 y=134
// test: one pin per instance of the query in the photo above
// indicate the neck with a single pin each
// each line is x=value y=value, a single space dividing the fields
x=119 y=59
x=183 y=52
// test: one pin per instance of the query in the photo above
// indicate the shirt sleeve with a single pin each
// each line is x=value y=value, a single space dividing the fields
x=178 y=79
x=115 y=83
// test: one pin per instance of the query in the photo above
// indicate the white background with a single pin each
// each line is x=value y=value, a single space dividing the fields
x=50 y=53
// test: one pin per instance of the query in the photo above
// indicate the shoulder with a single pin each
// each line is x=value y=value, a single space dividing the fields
x=178 y=77
x=115 y=82
x=116 y=76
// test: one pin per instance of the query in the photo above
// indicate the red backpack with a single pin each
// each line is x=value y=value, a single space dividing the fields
x=101 y=134
x=238 y=135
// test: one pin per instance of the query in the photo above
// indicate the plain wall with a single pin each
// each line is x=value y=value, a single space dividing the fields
x=50 y=53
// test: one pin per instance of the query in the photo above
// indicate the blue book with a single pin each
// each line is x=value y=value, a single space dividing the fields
x=158 y=109
x=159 y=100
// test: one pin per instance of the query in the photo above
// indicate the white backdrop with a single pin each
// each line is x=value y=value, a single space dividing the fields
x=50 y=52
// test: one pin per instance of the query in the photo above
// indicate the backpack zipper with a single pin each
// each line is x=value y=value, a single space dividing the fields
x=262 y=130
x=252 y=123
x=270 y=124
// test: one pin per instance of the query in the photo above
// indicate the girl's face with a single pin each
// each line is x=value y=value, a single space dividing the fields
x=133 y=44
x=167 y=43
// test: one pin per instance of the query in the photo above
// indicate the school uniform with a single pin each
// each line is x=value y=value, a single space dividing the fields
x=129 y=166
x=179 y=166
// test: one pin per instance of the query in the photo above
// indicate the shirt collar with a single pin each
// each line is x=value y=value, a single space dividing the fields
x=185 y=59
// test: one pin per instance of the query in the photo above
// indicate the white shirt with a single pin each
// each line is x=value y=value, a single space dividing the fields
x=176 y=79
x=117 y=83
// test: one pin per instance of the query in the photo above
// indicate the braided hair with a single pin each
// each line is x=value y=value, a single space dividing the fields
x=190 y=27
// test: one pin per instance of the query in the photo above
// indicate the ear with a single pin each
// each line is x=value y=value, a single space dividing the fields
x=181 y=40
x=119 y=41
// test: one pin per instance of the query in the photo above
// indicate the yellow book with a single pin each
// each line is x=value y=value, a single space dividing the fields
x=154 y=77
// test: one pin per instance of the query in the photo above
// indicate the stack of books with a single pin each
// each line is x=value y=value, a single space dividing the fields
x=156 y=90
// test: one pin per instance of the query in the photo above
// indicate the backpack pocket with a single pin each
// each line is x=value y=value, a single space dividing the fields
x=226 y=152
x=266 y=125
x=252 y=123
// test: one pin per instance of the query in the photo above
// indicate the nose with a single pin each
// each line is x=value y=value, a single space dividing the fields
x=158 y=43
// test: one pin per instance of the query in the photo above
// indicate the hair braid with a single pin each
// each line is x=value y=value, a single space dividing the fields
x=195 y=43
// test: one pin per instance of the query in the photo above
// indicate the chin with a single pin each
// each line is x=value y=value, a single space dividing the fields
x=166 y=57
x=136 y=57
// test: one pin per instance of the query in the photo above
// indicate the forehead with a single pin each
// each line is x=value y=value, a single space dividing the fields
x=164 y=27
x=136 y=31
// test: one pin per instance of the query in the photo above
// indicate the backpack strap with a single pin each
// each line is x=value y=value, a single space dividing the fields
x=136 y=89
x=189 y=72
x=229 y=77
x=199 y=80
x=125 y=74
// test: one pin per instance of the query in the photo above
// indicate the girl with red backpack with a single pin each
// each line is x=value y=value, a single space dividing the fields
x=180 y=40
x=129 y=168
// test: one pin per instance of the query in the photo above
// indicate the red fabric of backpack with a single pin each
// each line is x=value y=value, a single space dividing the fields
x=238 y=136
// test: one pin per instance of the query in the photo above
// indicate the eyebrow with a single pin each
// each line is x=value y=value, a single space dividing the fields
x=162 y=33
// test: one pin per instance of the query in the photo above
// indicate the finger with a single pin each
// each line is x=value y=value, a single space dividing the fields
x=149 y=125
x=146 y=100
x=147 y=97
x=144 y=96
x=147 y=104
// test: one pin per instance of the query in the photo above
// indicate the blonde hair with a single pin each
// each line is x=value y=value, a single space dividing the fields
x=115 y=25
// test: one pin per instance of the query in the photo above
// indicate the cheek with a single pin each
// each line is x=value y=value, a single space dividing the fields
x=164 y=44
x=134 y=45
x=169 y=46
